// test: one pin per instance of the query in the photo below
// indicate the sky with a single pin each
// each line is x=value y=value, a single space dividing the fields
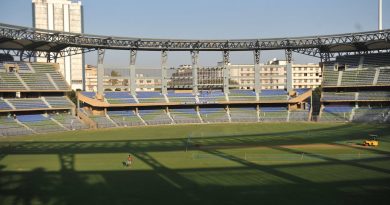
x=213 y=19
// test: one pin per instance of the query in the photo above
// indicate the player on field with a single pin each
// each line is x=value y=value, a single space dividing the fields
x=129 y=160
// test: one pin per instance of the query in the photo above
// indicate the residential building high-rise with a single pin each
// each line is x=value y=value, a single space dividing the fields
x=65 y=16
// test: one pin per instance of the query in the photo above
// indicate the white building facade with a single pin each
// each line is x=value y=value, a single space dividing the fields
x=66 y=16
x=273 y=75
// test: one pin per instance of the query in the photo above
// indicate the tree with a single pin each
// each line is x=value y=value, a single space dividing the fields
x=72 y=96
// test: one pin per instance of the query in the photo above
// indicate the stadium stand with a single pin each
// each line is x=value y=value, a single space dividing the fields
x=211 y=96
x=243 y=114
x=273 y=114
x=338 y=96
x=330 y=76
x=384 y=77
x=150 y=97
x=37 y=81
x=4 y=105
x=184 y=115
x=9 y=127
x=273 y=95
x=119 y=97
x=40 y=123
x=298 y=115
x=358 y=77
x=336 y=113
x=9 y=81
x=153 y=116
x=101 y=120
x=89 y=94
x=28 y=92
x=28 y=103
x=59 y=102
x=368 y=114
x=125 y=118
x=374 y=95
x=362 y=80
x=69 y=121
x=213 y=114
x=183 y=98
x=242 y=95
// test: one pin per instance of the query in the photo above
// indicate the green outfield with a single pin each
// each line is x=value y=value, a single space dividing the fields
x=267 y=163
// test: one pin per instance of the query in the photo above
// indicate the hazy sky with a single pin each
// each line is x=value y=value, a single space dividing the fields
x=213 y=19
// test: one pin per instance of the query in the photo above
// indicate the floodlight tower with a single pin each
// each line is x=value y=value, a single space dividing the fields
x=380 y=15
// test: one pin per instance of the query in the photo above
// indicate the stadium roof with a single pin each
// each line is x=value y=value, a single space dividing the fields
x=37 y=40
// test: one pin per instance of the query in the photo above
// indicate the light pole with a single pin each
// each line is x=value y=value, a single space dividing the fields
x=379 y=14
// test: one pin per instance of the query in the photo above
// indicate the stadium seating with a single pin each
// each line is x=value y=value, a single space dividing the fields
x=22 y=66
x=350 y=61
x=242 y=95
x=69 y=121
x=9 y=81
x=364 y=77
x=184 y=115
x=89 y=94
x=4 y=105
x=212 y=96
x=211 y=115
x=273 y=95
x=101 y=120
x=125 y=118
x=28 y=103
x=243 y=114
x=366 y=114
x=59 y=81
x=336 y=113
x=37 y=81
x=150 y=97
x=299 y=115
x=377 y=60
x=59 y=102
x=40 y=123
x=43 y=67
x=273 y=114
x=183 y=98
x=154 y=116
x=384 y=77
x=374 y=95
x=119 y=97
x=338 y=96
x=330 y=77
x=9 y=127
x=301 y=91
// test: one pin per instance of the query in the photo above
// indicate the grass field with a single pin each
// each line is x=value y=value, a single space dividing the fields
x=278 y=163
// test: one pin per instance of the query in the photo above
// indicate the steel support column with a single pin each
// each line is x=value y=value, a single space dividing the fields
x=256 y=54
x=289 y=83
x=21 y=55
x=195 y=60
x=164 y=67
x=132 y=76
x=100 y=72
x=226 y=70
x=48 y=57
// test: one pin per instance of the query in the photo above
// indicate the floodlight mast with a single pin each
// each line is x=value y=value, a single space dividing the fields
x=379 y=14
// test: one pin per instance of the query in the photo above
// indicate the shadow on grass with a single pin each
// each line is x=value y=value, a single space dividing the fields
x=149 y=187
x=300 y=137
x=250 y=183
